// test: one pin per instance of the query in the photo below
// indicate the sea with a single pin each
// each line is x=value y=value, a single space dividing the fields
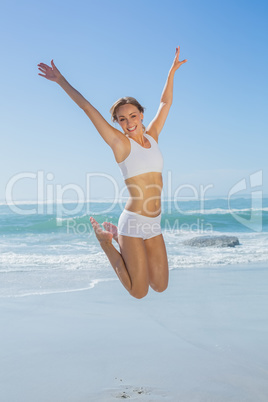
x=51 y=248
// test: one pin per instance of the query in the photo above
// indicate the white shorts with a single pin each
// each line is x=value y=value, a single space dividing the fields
x=132 y=224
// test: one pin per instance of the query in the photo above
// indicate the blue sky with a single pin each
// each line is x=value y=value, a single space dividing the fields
x=216 y=132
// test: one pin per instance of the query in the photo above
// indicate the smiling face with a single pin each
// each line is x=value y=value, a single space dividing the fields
x=130 y=119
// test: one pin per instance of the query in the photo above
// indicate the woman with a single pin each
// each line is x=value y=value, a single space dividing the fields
x=142 y=261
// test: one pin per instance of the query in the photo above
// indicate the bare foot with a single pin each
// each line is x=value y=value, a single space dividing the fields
x=102 y=235
x=112 y=229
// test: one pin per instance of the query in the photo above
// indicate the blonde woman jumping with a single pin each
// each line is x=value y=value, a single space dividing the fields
x=142 y=260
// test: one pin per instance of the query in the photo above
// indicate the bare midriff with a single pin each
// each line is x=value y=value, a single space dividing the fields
x=145 y=194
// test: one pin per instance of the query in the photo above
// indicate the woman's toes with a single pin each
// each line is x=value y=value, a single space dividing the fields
x=100 y=234
x=112 y=229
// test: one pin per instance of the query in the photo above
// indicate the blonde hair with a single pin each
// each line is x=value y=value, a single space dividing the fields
x=125 y=101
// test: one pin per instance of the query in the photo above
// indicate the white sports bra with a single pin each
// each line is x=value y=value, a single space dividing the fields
x=142 y=160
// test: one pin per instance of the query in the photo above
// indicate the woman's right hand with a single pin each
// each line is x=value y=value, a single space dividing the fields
x=50 y=73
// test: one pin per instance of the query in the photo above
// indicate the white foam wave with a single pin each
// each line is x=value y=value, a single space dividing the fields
x=17 y=262
x=43 y=268
x=253 y=248
x=50 y=292
x=222 y=211
x=66 y=219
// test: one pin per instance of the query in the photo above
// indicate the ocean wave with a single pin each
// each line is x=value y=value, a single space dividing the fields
x=67 y=268
x=61 y=201
x=19 y=262
x=67 y=222
x=66 y=227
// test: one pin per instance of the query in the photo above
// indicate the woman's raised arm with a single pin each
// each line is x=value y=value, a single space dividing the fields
x=158 y=122
x=110 y=134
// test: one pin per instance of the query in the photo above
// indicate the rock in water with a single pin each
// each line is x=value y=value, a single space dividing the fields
x=212 y=241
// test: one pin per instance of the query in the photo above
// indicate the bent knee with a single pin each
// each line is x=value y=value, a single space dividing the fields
x=139 y=293
x=161 y=287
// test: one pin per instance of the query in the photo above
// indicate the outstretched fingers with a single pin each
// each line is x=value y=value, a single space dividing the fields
x=49 y=72
x=44 y=69
x=43 y=66
x=177 y=63
x=178 y=55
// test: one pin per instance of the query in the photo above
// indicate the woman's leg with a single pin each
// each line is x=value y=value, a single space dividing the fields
x=157 y=263
x=133 y=253
x=131 y=265
x=157 y=260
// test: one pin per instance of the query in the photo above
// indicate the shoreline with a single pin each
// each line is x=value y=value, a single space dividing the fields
x=98 y=282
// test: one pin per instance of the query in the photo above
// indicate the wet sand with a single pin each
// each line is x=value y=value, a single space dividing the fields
x=204 y=339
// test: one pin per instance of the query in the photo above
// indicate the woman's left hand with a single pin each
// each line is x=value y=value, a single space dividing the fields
x=176 y=63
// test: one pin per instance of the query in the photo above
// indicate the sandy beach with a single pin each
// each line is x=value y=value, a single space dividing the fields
x=204 y=339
